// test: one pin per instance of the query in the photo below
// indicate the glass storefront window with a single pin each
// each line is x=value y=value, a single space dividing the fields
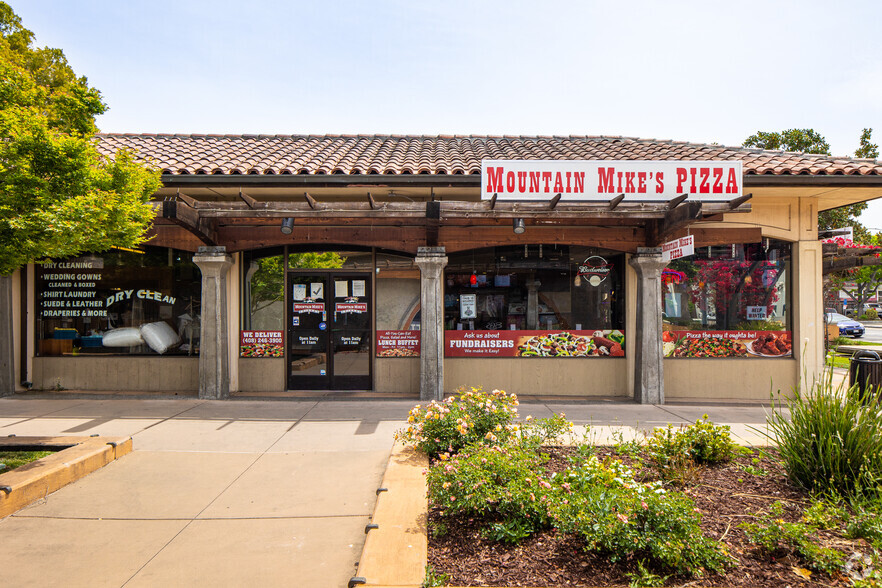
x=122 y=302
x=263 y=304
x=398 y=306
x=728 y=301
x=534 y=301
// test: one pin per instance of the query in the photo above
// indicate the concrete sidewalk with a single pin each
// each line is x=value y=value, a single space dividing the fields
x=235 y=493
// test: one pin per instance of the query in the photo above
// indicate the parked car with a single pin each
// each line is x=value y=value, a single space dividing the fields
x=847 y=327
x=850 y=311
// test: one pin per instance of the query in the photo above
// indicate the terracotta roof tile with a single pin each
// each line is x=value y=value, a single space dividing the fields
x=443 y=154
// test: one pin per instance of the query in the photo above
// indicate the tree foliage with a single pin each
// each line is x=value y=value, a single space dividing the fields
x=58 y=196
x=810 y=141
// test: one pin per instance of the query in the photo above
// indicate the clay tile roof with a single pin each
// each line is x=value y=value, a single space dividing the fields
x=443 y=154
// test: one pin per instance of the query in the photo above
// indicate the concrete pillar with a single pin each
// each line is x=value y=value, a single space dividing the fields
x=7 y=338
x=431 y=261
x=649 y=381
x=214 y=352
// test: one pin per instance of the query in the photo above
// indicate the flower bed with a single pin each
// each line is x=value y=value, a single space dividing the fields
x=683 y=506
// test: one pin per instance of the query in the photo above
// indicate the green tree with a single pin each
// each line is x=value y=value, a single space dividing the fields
x=58 y=196
x=810 y=141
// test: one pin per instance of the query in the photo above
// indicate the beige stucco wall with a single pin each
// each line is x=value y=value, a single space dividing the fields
x=260 y=374
x=545 y=376
x=147 y=374
x=397 y=374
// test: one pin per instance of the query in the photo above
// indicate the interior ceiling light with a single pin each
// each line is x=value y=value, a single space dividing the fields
x=518 y=226
x=287 y=226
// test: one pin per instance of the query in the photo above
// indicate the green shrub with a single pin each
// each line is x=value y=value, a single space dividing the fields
x=872 y=314
x=772 y=533
x=676 y=451
x=622 y=518
x=830 y=440
x=495 y=484
x=472 y=416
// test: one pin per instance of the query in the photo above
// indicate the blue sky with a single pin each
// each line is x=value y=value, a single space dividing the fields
x=691 y=71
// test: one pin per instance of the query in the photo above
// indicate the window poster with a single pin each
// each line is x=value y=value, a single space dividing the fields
x=261 y=344
x=317 y=290
x=519 y=343
x=298 y=291
x=341 y=288
x=468 y=306
x=721 y=344
x=358 y=288
x=398 y=343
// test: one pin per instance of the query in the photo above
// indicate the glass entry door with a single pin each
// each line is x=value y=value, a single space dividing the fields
x=329 y=331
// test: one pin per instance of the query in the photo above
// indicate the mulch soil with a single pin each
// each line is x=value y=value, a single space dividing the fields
x=726 y=494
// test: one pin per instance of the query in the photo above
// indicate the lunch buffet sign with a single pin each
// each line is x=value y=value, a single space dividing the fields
x=510 y=179
x=721 y=344
x=569 y=343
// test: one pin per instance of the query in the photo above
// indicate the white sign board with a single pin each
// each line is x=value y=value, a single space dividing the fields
x=468 y=306
x=639 y=181
x=678 y=248
x=756 y=313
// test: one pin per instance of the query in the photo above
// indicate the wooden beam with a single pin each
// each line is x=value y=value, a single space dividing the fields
x=189 y=200
x=675 y=202
x=838 y=264
x=616 y=201
x=464 y=238
x=493 y=201
x=706 y=236
x=733 y=204
x=184 y=215
x=371 y=201
x=251 y=202
x=678 y=218
x=553 y=202
x=309 y=199
x=433 y=222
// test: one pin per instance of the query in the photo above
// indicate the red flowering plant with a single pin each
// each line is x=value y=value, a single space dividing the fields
x=732 y=285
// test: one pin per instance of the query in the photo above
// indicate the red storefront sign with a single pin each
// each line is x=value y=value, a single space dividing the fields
x=350 y=307
x=602 y=180
x=398 y=343
x=608 y=343
x=261 y=344
x=701 y=344
x=308 y=307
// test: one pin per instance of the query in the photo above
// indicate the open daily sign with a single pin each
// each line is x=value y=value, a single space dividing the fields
x=678 y=248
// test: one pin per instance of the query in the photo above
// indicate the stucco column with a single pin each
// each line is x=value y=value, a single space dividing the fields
x=214 y=353
x=431 y=261
x=7 y=338
x=649 y=380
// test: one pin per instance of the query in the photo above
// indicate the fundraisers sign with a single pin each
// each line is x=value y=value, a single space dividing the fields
x=604 y=180
x=678 y=248
x=261 y=344
x=398 y=343
x=773 y=344
x=608 y=343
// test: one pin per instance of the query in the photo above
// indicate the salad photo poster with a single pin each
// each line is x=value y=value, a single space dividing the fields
x=768 y=344
x=569 y=343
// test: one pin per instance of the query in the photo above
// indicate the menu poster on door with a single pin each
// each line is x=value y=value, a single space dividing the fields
x=298 y=291
x=261 y=344
x=398 y=343
x=720 y=344
x=358 y=288
x=341 y=288
x=572 y=343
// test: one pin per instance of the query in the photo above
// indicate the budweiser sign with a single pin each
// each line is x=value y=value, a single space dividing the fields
x=603 y=180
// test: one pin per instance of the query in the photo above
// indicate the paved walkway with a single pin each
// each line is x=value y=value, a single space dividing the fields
x=238 y=493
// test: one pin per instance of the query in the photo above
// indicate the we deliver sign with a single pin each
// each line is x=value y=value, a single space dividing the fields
x=512 y=179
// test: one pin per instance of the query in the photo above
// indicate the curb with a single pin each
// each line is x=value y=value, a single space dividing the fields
x=36 y=480
x=396 y=549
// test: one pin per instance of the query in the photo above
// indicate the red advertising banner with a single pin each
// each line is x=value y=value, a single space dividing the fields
x=608 y=343
x=773 y=344
x=261 y=344
x=398 y=343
